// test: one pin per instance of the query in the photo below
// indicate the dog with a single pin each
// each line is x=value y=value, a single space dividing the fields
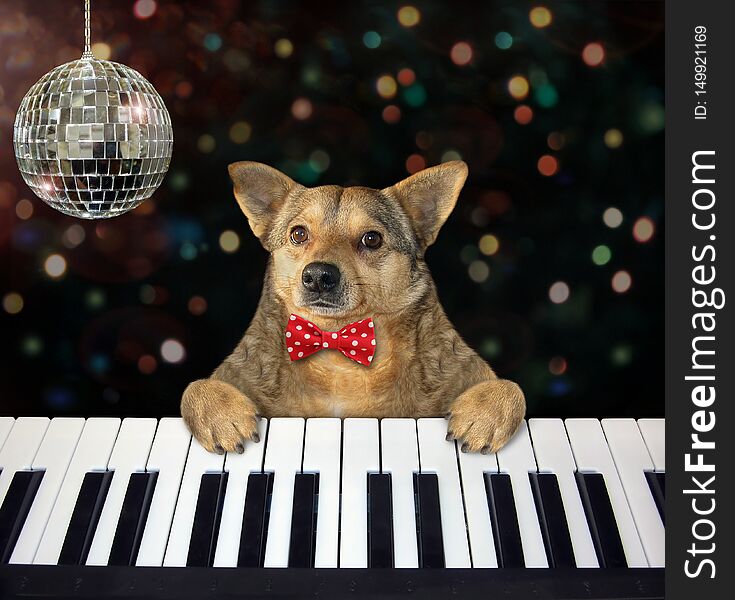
x=340 y=256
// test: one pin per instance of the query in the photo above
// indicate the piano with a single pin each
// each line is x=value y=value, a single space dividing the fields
x=325 y=508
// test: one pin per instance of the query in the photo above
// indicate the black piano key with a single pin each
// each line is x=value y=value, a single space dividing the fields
x=553 y=520
x=15 y=509
x=601 y=520
x=85 y=517
x=207 y=515
x=254 y=531
x=380 y=521
x=133 y=516
x=504 y=519
x=657 y=483
x=428 y=520
x=303 y=520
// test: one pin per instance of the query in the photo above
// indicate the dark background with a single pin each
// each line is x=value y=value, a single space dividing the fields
x=89 y=342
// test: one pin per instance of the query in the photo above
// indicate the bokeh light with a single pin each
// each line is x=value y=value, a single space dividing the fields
x=643 y=229
x=601 y=255
x=55 y=266
x=409 y=16
x=240 y=132
x=613 y=138
x=489 y=244
x=101 y=50
x=386 y=86
x=12 y=303
x=371 y=39
x=461 y=54
x=206 y=143
x=212 y=42
x=24 y=209
x=415 y=163
x=555 y=140
x=503 y=40
x=621 y=282
x=301 y=109
x=518 y=87
x=172 y=351
x=523 y=114
x=478 y=271
x=540 y=16
x=548 y=165
x=391 y=114
x=593 y=54
x=144 y=9
x=612 y=217
x=559 y=292
x=229 y=241
x=283 y=48
x=147 y=364
x=74 y=235
x=197 y=305
x=406 y=76
x=558 y=365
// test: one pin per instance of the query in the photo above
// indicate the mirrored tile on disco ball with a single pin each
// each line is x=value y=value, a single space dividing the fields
x=93 y=138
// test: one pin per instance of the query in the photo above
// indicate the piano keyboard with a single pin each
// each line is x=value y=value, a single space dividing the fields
x=345 y=494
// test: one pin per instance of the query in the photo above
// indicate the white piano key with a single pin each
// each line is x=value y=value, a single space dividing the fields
x=53 y=457
x=129 y=455
x=198 y=462
x=436 y=455
x=517 y=460
x=631 y=459
x=654 y=434
x=239 y=467
x=399 y=456
x=322 y=447
x=473 y=466
x=592 y=455
x=22 y=444
x=6 y=424
x=283 y=456
x=91 y=454
x=360 y=456
x=553 y=455
x=167 y=458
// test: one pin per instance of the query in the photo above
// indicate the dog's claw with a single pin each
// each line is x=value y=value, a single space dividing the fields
x=485 y=450
x=255 y=437
x=219 y=449
x=450 y=437
x=448 y=415
x=465 y=447
x=239 y=448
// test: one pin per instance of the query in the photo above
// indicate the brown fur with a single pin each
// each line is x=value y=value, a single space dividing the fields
x=422 y=367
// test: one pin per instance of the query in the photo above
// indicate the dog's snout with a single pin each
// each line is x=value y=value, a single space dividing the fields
x=320 y=277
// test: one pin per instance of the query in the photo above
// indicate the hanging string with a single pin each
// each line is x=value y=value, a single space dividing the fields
x=87 y=32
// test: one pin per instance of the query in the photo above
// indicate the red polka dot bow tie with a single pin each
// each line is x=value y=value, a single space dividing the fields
x=355 y=341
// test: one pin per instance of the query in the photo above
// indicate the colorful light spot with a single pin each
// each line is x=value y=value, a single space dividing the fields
x=601 y=255
x=548 y=165
x=391 y=114
x=559 y=292
x=13 y=303
x=240 y=132
x=197 y=305
x=371 y=39
x=229 y=241
x=283 y=48
x=555 y=140
x=518 y=87
x=301 y=109
x=24 y=209
x=621 y=282
x=558 y=365
x=503 y=40
x=643 y=229
x=613 y=138
x=55 y=266
x=593 y=54
x=144 y=9
x=461 y=54
x=386 y=86
x=172 y=351
x=406 y=76
x=206 y=143
x=478 y=271
x=489 y=244
x=147 y=364
x=546 y=95
x=612 y=217
x=540 y=17
x=415 y=163
x=409 y=16
x=101 y=50
x=414 y=95
x=523 y=114
x=212 y=42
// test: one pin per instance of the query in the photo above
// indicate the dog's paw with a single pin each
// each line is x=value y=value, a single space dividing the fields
x=219 y=416
x=485 y=417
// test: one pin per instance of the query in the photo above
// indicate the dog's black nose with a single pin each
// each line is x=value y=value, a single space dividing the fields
x=320 y=277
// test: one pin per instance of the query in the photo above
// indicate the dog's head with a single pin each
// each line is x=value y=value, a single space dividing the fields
x=347 y=252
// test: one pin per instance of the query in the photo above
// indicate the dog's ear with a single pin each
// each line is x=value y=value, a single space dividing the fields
x=429 y=196
x=260 y=191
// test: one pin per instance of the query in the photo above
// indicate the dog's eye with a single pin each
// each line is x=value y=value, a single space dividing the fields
x=299 y=235
x=372 y=240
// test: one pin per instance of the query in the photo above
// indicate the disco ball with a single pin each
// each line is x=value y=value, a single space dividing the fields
x=93 y=138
